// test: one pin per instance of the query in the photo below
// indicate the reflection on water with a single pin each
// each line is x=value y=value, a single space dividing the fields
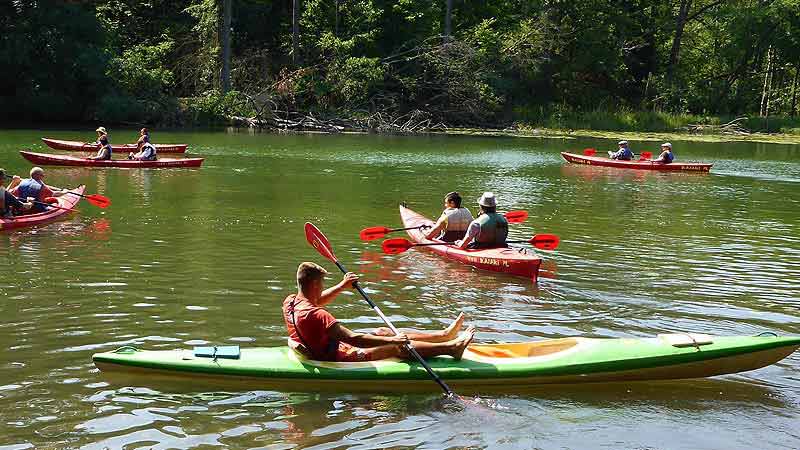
x=185 y=258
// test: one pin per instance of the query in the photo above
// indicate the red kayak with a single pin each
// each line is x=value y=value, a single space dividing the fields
x=65 y=201
x=44 y=159
x=641 y=165
x=75 y=146
x=513 y=261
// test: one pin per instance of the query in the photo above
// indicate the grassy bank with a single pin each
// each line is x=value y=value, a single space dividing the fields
x=659 y=122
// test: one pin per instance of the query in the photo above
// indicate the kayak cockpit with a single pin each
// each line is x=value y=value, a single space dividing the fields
x=520 y=349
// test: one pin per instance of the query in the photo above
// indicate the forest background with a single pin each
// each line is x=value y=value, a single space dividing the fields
x=646 y=65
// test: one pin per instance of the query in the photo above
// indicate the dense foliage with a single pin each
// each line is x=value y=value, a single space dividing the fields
x=535 y=61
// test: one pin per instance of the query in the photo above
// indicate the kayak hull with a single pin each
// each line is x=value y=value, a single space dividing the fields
x=513 y=261
x=640 y=165
x=76 y=146
x=64 y=201
x=62 y=160
x=553 y=361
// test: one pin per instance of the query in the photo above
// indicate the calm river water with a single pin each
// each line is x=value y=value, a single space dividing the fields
x=187 y=257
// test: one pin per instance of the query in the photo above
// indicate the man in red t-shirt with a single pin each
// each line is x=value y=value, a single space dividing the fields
x=314 y=332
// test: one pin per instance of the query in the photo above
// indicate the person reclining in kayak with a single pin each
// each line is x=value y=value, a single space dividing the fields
x=624 y=153
x=146 y=150
x=453 y=222
x=8 y=202
x=104 y=152
x=489 y=230
x=666 y=155
x=315 y=333
x=33 y=188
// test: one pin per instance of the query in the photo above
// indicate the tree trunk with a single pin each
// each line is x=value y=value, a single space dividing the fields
x=336 y=20
x=226 y=45
x=447 y=21
x=767 y=82
x=793 y=109
x=680 y=26
x=296 y=32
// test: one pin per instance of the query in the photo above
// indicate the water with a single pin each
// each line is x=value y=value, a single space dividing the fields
x=189 y=257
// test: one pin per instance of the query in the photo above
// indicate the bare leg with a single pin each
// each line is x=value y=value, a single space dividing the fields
x=447 y=334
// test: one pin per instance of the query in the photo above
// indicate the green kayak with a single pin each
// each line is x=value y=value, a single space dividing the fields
x=567 y=360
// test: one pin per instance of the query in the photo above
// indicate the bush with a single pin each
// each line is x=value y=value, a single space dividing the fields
x=214 y=108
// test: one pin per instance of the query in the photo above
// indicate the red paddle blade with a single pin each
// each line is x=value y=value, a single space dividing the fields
x=545 y=241
x=372 y=233
x=395 y=246
x=647 y=155
x=98 y=200
x=319 y=241
x=50 y=200
x=516 y=216
x=589 y=151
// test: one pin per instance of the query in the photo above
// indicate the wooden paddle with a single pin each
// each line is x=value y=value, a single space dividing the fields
x=372 y=233
x=400 y=245
x=320 y=242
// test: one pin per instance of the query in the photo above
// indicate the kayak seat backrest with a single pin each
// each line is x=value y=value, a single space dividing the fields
x=523 y=349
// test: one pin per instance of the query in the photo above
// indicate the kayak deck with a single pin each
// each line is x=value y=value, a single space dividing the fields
x=65 y=201
x=76 y=146
x=514 y=261
x=641 y=165
x=63 y=160
x=552 y=361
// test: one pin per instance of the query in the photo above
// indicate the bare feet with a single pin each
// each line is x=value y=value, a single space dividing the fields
x=463 y=341
x=451 y=332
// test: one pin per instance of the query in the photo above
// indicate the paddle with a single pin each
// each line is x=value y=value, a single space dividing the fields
x=101 y=201
x=592 y=152
x=320 y=242
x=400 y=245
x=372 y=233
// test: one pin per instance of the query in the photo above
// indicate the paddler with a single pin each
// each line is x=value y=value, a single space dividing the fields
x=453 y=222
x=7 y=199
x=104 y=152
x=489 y=230
x=666 y=155
x=145 y=150
x=34 y=188
x=315 y=333
x=623 y=152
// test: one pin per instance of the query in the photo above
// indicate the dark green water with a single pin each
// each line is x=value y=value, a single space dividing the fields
x=187 y=257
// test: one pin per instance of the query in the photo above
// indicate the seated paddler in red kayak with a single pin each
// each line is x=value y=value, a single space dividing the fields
x=623 y=152
x=453 y=222
x=489 y=230
x=315 y=332
x=145 y=150
x=8 y=202
x=666 y=155
x=104 y=152
x=34 y=188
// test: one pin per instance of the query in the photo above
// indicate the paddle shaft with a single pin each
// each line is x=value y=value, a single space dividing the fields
x=410 y=348
x=450 y=243
x=53 y=206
